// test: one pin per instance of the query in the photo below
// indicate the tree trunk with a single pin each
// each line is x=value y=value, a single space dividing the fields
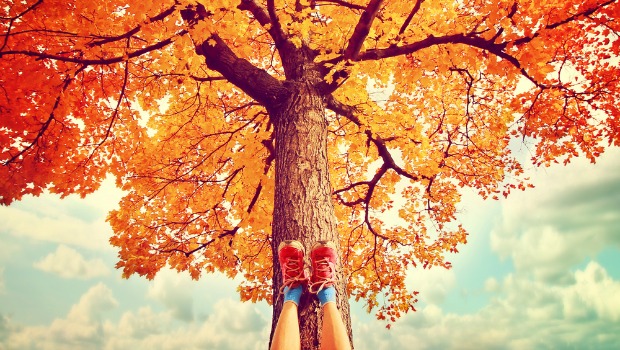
x=303 y=208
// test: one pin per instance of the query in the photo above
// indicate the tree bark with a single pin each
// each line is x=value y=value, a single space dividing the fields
x=303 y=208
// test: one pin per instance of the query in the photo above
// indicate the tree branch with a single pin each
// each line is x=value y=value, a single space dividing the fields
x=89 y=62
x=466 y=39
x=275 y=22
x=415 y=10
x=585 y=13
x=114 y=114
x=203 y=245
x=265 y=19
x=474 y=41
x=136 y=29
x=388 y=163
x=361 y=30
x=48 y=122
x=342 y=3
x=255 y=82
x=376 y=54
x=349 y=113
x=13 y=19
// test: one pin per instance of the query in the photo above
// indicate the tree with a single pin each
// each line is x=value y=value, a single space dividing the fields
x=234 y=125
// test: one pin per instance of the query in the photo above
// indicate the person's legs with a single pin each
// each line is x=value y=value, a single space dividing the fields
x=286 y=335
x=291 y=258
x=333 y=332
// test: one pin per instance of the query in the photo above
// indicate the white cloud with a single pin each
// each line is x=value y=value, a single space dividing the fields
x=106 y=197
x=92 y=304
x=142 y=323
x=2 y=286
x=491 y=285
x=7 y=249
x=595 y=293
x=82 y=328
x=543 y=251
x=175 y=291
x=7 y=328
x=526 y=314
x=232 y=325
x=548 y=301
x=52 y=226
x=572 y=215
x=238 y=317
x=68 y=263
x=545 y=303
x=433 y=284
x=72 y=220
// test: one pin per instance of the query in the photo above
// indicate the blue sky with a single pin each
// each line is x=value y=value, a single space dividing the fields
x=541 y=270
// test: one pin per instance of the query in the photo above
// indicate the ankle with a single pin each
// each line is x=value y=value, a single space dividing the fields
x=327 y=295
x=293 y=294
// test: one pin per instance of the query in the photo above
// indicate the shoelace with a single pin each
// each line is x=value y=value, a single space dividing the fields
x=292 y=266
x=323 y=266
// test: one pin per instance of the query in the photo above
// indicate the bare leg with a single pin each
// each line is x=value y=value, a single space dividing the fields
x=324 y=259
x=286 y=336
x=291 y=259
x=333 y=333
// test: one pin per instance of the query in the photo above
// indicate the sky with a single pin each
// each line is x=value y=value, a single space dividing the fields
x=541 y=270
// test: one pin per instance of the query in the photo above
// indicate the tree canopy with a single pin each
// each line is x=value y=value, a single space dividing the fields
x=178 y=100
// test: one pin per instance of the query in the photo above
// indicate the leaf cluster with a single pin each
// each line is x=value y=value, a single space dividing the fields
x=423 y=99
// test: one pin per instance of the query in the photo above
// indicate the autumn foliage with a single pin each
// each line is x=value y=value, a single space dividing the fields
x=178 y=100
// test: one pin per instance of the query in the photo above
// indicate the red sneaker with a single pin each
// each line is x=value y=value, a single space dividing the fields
x=291 y=257
x=324 y=258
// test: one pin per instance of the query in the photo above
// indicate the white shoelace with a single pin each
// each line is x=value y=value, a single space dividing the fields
x=323 y=266
x=292 y=266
